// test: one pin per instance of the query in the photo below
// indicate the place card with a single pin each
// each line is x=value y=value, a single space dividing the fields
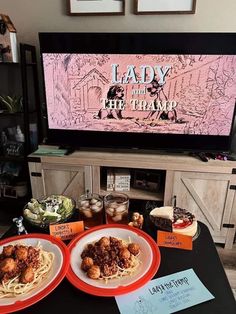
x=66 y=231
x=174 y=240
x=165 y=295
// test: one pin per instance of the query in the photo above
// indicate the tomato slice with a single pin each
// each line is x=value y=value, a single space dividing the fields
x=182 y=225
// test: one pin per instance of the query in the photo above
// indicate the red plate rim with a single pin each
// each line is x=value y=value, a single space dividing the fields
x=78 y=283
x=19 y=305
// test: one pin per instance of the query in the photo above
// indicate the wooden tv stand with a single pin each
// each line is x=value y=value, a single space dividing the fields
x=205 y=188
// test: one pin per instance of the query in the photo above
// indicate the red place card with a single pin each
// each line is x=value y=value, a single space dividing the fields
x=174 y=240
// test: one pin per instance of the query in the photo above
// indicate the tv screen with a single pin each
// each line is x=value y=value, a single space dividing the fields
x=172 y=91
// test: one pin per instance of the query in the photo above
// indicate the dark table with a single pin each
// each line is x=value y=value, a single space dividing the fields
x=203 y=259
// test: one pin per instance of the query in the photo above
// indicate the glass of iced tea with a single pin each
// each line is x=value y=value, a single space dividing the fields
x=91 y=210
x=116 y=208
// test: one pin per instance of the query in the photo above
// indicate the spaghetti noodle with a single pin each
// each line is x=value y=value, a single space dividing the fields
x=37 y=261
x=110 y=258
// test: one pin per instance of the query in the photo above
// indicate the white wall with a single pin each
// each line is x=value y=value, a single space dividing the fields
x=33 y=16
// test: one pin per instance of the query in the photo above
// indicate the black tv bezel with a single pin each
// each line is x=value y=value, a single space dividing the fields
x=143 y=43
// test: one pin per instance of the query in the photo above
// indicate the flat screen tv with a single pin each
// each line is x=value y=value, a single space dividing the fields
x=167 y=91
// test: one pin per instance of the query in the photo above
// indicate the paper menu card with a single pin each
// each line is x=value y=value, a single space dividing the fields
x=66 y=231
x=165 y=295
x=174 y=240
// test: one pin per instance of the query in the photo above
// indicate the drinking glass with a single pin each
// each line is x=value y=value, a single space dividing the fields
x=116 y=208
x=91 y=210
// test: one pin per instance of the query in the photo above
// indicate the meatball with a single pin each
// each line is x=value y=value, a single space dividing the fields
x=7 y=265
x=27 y=275
x=104 y=241
x=134 y=248
x=21 y=253
x=94 y=272
x=8 y=250
x=87 y=262
x=124 y=253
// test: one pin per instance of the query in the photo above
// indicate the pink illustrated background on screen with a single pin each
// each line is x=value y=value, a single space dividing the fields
x=180 y=94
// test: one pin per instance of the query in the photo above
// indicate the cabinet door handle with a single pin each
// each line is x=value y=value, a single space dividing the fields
x=36 y=174
x=174 y=200
x=228 y=225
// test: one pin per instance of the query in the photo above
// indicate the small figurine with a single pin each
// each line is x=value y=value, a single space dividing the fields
x=20 y=227
x=137 y=220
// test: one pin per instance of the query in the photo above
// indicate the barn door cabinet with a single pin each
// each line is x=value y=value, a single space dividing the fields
x=211 y=197
x=50 y=178
x=206 y=189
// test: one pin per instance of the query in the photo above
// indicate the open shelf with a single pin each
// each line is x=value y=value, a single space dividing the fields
x=12 y=158
x=136 y=192
x=19 y=201
x=9 y=63
x=139 y=194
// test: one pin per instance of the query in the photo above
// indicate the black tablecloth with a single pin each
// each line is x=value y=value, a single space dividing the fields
x=203 y=259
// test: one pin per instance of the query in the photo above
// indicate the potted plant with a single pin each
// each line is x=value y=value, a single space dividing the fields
x=12 y=104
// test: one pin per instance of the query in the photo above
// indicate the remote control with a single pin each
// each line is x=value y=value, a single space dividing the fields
x=202 y=156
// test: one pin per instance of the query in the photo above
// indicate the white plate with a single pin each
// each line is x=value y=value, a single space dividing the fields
x=56 y=274
x=145 y=257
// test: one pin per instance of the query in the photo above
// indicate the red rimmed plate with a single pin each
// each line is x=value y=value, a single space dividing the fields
x=57 y=273
x=149 y=256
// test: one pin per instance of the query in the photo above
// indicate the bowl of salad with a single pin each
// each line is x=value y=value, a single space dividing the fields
x=52 y=209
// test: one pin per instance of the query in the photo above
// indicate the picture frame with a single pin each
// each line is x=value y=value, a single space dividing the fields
x=96 y=7
x=165 y=6
x=9 y=191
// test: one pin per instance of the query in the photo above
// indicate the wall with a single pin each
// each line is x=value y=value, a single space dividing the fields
x=31 y=17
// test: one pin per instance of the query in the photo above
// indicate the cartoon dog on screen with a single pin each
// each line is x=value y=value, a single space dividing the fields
x=114 y=92
x=156 y=90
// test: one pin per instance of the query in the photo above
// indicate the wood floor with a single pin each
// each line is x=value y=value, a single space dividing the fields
x=228 y=259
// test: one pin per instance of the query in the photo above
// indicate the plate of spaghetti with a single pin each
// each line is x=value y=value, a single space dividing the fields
x=31 y=266
x=112 y=259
